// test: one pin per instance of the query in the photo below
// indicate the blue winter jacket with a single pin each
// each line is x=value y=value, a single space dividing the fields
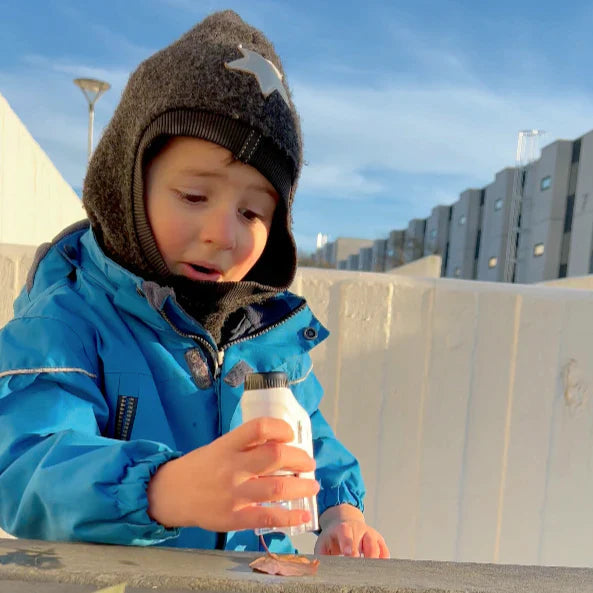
x=103 y=378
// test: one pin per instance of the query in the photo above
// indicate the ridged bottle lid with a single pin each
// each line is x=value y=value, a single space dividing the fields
x=265 y=380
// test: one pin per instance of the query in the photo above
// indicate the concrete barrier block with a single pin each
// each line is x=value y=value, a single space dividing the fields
x=490 y=377
x=363 y=338
x=568 y=512
x=444 y=424
x=7 y=286
x=25 y=261
x=316 y=288
x=400 y=435
x=526 y=453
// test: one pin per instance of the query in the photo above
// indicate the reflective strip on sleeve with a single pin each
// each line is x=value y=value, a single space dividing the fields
x=46 y=370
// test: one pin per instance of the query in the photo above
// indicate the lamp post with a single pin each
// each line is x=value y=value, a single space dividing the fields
x=92 y=90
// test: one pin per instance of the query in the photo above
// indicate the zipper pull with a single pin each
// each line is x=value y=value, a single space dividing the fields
x=220 y=360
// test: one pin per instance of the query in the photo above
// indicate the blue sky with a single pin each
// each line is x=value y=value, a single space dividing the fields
x=403 y=104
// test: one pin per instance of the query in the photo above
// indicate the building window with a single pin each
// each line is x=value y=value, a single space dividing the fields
x=391 y=252
x=478 y=239
x=498 y=204
x=562 y=271
x=569 y=213
x=492 y=262
x=433 y=234
x=457 y=272
x=538 y=249
x=545 y=183
x=576 y=151
x=462 y=219
x=411 y=243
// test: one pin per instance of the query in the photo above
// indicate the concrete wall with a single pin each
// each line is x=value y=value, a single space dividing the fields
x=469 y=405
x=425 y=267
x=35 y=201
x=578 y=282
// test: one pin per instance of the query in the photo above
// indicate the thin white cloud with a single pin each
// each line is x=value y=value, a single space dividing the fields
x=436 y=129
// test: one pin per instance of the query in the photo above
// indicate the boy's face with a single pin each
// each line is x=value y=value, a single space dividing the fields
x=210 y=214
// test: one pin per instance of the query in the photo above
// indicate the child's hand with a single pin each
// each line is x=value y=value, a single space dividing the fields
x=216 y=487
x=345 y=533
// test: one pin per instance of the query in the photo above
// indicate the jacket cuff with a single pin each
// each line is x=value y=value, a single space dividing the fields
x=342 y=494
x=132 y=500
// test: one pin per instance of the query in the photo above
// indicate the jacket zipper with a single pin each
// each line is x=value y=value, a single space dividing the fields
x=217 y=354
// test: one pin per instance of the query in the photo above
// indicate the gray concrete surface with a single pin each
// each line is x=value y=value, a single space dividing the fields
x=39 y=567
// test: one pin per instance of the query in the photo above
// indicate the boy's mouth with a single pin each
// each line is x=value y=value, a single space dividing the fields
x=204 y=269
x=201 y=272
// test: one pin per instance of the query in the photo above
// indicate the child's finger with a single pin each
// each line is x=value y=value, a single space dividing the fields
x=345 y=537
x=370 y=546
x=272 y=457
x=259 y=431
x=275 y=488
x=384 y=550
x=256 y=516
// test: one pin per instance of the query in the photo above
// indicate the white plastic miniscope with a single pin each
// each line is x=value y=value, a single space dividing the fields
x=279 y=402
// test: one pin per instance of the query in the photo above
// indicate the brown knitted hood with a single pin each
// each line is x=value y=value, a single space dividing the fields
x=188 y=89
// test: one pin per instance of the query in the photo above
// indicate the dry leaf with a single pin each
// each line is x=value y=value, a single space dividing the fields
x=286 y=565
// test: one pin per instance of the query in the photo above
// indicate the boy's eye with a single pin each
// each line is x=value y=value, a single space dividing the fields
x=249 y=214
x=192 y=198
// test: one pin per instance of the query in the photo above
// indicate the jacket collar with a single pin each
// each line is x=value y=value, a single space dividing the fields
x=156 y=305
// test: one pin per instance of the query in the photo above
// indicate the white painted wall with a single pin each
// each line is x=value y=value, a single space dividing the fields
x=35 y=201
x=469 y=405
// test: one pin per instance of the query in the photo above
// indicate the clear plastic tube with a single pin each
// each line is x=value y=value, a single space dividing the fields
x=268 y=395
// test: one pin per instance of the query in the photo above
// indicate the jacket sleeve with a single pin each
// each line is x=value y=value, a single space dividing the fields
x=338 y=471
x=59 y=478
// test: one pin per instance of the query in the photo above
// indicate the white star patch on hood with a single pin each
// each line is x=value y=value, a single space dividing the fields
x=266 y=73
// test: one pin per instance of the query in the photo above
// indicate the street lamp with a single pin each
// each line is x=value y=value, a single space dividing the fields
x=92 y=90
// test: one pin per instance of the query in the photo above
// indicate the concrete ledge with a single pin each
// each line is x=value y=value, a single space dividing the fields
x=426 y=267
x=43 y=564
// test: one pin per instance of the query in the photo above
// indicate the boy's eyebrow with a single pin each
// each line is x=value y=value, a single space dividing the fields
x=192 y=172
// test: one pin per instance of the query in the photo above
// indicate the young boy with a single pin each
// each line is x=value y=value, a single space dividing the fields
x=122 y=370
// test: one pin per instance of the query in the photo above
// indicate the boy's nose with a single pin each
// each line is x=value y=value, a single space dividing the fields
x=219 y=230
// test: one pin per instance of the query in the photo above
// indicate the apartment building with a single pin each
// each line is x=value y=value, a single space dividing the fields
x=414 y=240
x=379 y=255
x=552 y=232
x=461 y=256
x=395 y=249
x=365 y=262
x=436 y=237
x=549 y=185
